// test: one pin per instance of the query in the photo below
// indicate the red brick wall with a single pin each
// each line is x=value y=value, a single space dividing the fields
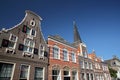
x=60 y=61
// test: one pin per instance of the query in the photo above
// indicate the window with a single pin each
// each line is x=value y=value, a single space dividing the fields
x=24 y=72
x=5 y=71
x=86 y=65
x=91 y=76
x=66 y=75
x=73 y=57
x=65 y=55
x=74 y=75
x=28 y=46
x=39 y=74
x=82 y=64
x=56 y=75
x=90 y=64
x=88 y=76
x=41 y=50
x=29 y=31
x=32 y=22
x=56 y=54
x=12 y=41
x=83 y=76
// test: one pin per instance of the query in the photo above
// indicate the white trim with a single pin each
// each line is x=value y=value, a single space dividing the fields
x=28 y=74
x=13 y=69
x=13 y=41
x=18 y=23
x=55 y=46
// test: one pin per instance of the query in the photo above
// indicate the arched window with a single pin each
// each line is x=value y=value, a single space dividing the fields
x=66 y=73
x=56 y=74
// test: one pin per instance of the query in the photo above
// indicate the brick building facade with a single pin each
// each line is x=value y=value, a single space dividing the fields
x=64 y=62
x=23 y=51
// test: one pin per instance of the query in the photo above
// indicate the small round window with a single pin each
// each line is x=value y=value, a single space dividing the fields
x=32 y=22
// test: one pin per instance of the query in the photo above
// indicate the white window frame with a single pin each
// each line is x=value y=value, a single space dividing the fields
x=30 y=33
x=28 y=46
x=42 y=72
x=41 y=50
x=28 y=72
x=76 y=76
x=59 y=75
x=13 y=41
x=73 y=60
x=67 y=55
x=58 y=57
x=14 y=64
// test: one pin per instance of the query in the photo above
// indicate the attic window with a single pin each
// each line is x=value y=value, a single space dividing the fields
x=32 y=22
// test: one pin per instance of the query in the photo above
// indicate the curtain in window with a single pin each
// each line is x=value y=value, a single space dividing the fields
x=5 y=71
x=38 y=73
x=24 y=71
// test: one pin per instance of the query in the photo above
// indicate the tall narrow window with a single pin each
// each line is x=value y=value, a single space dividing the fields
x=39 y=73
x=65 y=55
x=5 y=71
x=74 y=75
x=83 y=76
x=56 y=74
x=73 y=57
x=24 y=72
x=82 y=64
x=88 y=76
x=41 y=50
x=56 y=54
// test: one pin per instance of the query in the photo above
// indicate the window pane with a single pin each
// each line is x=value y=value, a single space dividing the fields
x=65 y=55
x=55 y=74
x=31 y=43
x=38 y=73
x=5 y=71
x=33 y=32
x=13 y=38
x=11 y=44
x=73 y=57
x=26 y=42
x=56 y=53
x=30 y=49
x=28 y=30
x=24 y=71
x=25 y=48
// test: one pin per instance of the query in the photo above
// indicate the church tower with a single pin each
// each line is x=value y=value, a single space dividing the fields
x=77 y=38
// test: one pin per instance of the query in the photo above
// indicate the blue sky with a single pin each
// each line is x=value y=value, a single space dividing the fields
x=98 y=21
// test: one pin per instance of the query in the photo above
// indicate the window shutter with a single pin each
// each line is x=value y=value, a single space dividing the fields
x=21 y=47
x=5 y=43
x=24 y=29
x=35 y=51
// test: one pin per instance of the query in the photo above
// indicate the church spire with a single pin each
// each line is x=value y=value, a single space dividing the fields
x=76 y=34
